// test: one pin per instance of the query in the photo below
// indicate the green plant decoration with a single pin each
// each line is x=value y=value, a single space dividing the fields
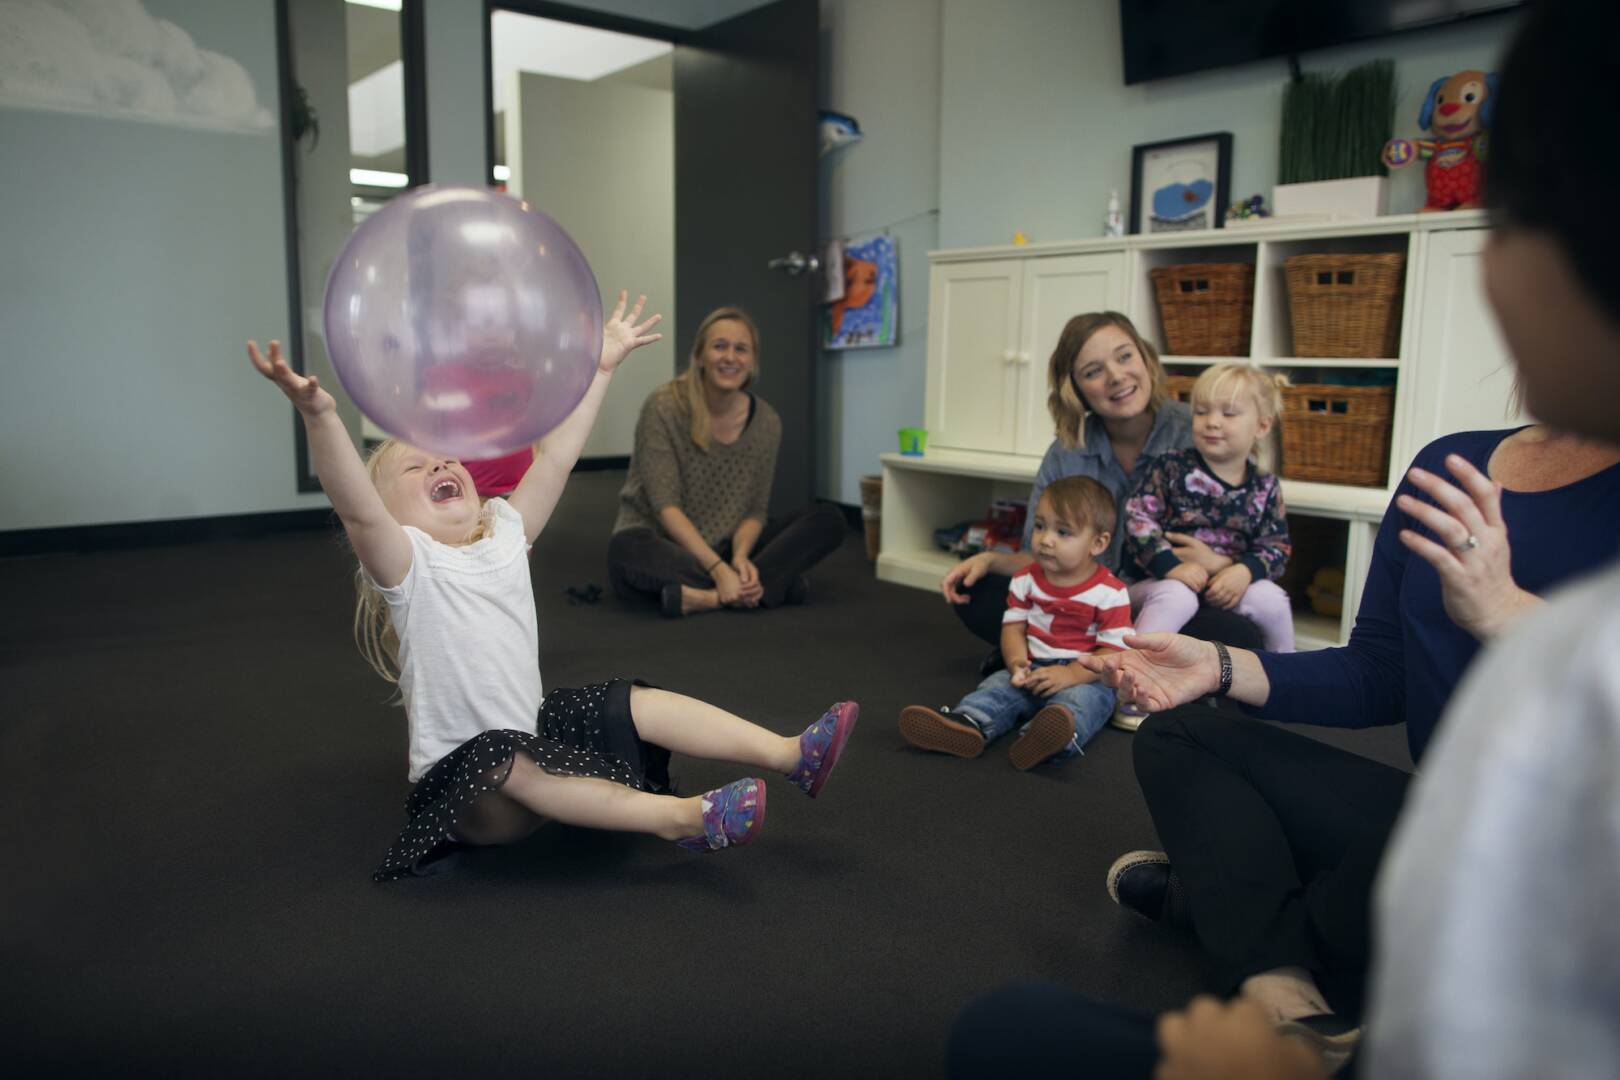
x=1335 y=126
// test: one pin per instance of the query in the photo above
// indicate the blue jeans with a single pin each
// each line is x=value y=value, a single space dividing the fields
x=998 y=706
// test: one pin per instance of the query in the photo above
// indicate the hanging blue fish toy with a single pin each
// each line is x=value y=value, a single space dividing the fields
x=837 y=131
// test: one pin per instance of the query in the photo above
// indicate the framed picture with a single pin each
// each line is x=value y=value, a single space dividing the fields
x=1181 y=185
x=866 y=313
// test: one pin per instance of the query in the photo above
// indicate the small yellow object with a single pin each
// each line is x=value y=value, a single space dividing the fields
x=1019 y=239
x=1326 y=591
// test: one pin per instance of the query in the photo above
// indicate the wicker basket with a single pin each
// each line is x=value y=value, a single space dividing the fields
x=1337 y=434
x=1345 y=305
x=1179 y=387
x=1206 y=308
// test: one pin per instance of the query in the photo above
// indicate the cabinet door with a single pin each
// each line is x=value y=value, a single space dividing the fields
x=1461 y=375
x=973 y=354
x=1055 y=290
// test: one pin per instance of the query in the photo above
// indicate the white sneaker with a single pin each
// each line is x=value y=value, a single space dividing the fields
x=1127 y=719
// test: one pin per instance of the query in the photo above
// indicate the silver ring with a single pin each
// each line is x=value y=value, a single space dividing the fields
x=1467 y=545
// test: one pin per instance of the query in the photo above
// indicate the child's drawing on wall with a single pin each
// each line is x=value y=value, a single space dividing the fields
x=866 y=316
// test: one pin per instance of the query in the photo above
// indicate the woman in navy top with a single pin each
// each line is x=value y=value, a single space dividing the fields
x=1275 y=837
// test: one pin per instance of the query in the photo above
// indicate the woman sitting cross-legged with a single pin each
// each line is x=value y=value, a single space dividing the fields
x=693 y=531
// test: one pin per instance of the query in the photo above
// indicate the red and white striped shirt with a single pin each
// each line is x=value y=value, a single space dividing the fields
x=1063 y=622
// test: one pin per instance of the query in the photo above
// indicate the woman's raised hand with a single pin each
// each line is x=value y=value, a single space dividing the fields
x=620 y=334
x=963 y=576
x=303 y=391
x=1158 y=671
x=1472 y=555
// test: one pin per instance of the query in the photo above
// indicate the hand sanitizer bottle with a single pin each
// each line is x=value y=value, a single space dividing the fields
x=1113 y=221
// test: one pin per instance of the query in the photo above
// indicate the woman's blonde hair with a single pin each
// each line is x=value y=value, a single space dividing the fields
x=1068 y=408
x=1224 y=382
x=687 y=387
x=373 y=629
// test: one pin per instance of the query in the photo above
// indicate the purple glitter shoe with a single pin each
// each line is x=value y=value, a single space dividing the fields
x=732 y=816
x=820 y=746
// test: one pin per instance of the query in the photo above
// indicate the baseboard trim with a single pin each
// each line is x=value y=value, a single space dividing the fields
x=81 y=539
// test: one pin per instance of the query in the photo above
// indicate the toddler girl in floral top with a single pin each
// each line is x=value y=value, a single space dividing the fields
x=1216 y=493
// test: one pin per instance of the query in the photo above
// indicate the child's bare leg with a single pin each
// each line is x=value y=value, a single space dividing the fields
x=600 y=804
x=695 y=600
x=698 y=729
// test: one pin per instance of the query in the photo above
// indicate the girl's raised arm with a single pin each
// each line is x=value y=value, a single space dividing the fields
x=383 y=547
x=537 y=493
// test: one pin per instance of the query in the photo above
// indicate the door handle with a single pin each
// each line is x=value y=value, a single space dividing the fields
x=795 y=263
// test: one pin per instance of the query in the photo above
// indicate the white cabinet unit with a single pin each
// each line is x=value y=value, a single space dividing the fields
x=996 y=313
x=992 y=324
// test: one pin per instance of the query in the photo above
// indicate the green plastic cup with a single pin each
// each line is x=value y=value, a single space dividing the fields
x=913 y=441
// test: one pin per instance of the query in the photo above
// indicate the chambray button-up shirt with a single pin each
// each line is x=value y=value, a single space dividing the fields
x=1172 y=430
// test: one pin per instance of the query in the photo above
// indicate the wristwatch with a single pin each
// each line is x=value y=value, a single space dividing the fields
x=1226 y=669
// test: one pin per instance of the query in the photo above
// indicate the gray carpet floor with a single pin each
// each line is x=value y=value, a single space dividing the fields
x=202 y=773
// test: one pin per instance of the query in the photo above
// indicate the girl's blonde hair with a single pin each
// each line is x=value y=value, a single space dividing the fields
x=1063 y=400
x=1224 y=382
x=373 y=629
x=687 y=387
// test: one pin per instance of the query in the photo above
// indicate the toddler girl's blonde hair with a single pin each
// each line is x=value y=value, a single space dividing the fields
x=1063 y=399
x=373 y=629
x=1223 y=382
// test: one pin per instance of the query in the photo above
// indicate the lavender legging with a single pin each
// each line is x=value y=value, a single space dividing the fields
x=1167 y=605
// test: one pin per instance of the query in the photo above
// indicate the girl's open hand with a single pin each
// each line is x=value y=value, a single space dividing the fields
x=303 y=391
x=1472 y=556
x=963 y=576
x=621 y=336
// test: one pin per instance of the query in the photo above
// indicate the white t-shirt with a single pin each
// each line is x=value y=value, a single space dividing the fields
x=1498 y=905
x=469 y=645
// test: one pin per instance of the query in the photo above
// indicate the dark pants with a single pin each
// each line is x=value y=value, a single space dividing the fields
x=987 y=602
x=1030 y=1029
x=1277 y=838
x=642 y=561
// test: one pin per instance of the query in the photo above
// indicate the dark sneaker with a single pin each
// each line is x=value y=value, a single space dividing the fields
x=991 y=664
x=732 y=816
x=820 y=745
x=930 y=730
x=1143 y=882
x=1049 y=731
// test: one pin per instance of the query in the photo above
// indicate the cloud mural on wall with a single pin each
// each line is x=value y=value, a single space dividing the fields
x=112 y=58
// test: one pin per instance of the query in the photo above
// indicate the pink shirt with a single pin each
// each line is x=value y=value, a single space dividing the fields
x=498 y=476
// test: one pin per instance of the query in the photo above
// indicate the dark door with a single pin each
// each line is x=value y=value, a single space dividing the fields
x=745 y=194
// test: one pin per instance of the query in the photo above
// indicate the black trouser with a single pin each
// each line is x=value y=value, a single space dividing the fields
x=642 y=561
x=1277 y=838
x=987 y=602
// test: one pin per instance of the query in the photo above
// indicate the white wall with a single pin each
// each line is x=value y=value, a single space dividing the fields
x=600 y=158
x=880 y=64
x=1037 y=124
x=139 y=256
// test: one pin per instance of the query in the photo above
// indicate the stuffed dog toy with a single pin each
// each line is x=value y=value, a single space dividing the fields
x=1458 y=112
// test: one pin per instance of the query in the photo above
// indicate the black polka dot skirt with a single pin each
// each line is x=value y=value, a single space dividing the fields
x=584 y=732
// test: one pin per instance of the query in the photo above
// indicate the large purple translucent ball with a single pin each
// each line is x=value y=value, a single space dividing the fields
x=463 y=321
